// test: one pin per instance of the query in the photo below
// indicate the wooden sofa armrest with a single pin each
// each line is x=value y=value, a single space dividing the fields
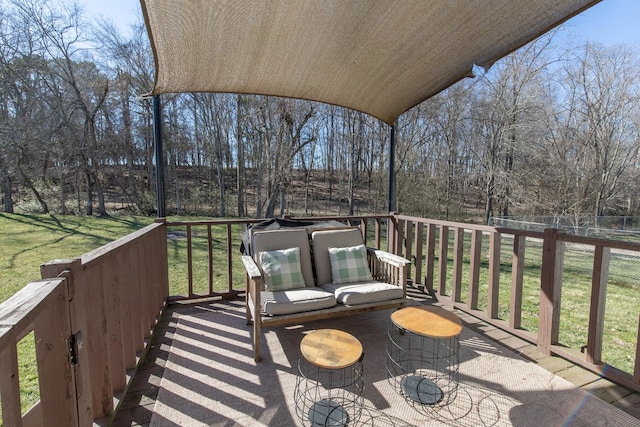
x=390 y=258
x=387 y=267
x=254 y=284
x=252 y=301
x=250 y=265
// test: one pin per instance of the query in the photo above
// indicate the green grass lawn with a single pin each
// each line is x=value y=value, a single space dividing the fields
x=30 y=240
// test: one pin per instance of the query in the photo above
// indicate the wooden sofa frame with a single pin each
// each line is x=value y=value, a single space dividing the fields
x=384 y=266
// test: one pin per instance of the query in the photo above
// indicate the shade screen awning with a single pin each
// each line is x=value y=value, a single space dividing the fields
x=381 y=57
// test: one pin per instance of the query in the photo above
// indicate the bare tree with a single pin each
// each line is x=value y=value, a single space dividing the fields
x=604 y=96
x=510 y=98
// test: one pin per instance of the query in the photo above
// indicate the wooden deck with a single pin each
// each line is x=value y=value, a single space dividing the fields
x=100 y=311
x=137 y=407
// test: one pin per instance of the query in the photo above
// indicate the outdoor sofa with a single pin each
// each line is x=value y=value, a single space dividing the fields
x=297 y=276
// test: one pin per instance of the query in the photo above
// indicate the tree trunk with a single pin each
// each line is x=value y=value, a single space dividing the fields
x=272 y=203
x=102 y=208
x=488 y=210
x=88 y=207
x=240 y=171
x=6 y=193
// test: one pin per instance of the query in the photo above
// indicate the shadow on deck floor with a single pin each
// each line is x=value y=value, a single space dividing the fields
x=138 y=405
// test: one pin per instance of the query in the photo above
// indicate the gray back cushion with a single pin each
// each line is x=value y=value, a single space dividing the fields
x=284 y=239
x=322 y=241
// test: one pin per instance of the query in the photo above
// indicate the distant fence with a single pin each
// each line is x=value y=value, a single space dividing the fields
x=605 y=227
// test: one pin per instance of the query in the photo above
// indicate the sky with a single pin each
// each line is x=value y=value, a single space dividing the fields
x=608 y=22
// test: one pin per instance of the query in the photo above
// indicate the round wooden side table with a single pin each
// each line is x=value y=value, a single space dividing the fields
x=423 y=354
x=329 y=386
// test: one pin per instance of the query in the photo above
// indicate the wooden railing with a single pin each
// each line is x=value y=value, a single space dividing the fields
x=92 y=316
x=442 y=252
x=420 y=239
x=210 y=250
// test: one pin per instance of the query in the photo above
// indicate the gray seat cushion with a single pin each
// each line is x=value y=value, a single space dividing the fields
x=296 y=301
x=364 y=292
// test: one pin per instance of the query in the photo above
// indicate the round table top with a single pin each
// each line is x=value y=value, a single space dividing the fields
x=433 y=322
x=331 y=348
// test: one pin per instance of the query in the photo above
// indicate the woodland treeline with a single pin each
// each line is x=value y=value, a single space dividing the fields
x=553 y=129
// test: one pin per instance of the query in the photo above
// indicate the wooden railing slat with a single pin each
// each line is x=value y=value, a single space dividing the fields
x=458 y=258
x=417 y=263
x=190 y=261
x=210 y=257
x=408 y=244
x=125 y=265
x=137 y=295
x=636 y=363
x=442 y=259
x=9 y=380
x=229 y=260
x=111 y=278
x=494 y=274
x=430 y=258
x=517 y=280
x=474 y=269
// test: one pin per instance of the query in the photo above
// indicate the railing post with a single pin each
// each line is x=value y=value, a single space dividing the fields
x=430 y=255
x=399 y=236
x=95 y=396
x=474 y=269
x=391 y=233
x=550 y=290
x=376 y=236
x=52 y=330
x=442 y=259
x=78 y=313
x=418 y=242
x=602 y=256
x=494 y=274
x=408 y=250
x=517 y=280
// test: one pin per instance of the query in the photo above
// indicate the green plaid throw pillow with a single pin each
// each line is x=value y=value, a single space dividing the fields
x=349 y=265
x=282 y=269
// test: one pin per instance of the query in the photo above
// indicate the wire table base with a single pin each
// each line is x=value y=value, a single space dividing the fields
x=424 y=369
x=329 y=396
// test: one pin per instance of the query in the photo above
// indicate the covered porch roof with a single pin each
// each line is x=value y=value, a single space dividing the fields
x=381 y=57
